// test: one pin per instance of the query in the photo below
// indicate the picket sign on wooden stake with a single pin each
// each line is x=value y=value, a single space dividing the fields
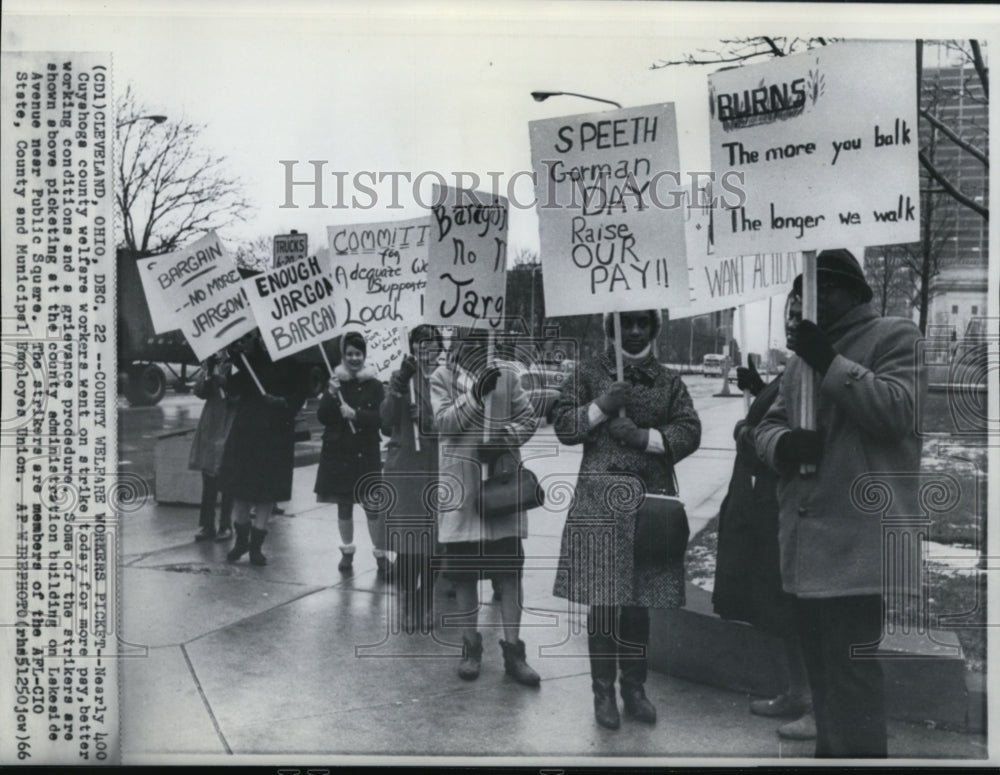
x=747 y=395
x=404 y=332
x=256 y=381
x=488 y=402
x=340 y=398
x=808 y=408
x=619 y=360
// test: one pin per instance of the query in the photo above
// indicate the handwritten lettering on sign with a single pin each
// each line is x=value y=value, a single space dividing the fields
x=380 y=270
x=827 y=144
x=611 y=227
x=467 y=259
x=199 y=290
x=729 y=282
x=294 y=306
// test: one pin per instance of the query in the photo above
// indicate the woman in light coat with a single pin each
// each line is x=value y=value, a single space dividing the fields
x=468 y=395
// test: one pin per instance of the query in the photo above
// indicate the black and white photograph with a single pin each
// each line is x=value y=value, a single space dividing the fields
x=551 y=384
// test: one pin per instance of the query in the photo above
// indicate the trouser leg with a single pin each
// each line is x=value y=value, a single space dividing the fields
x=209 y=494
x=848 y=691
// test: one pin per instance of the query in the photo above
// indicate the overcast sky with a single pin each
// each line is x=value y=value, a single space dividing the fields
x=409 y=87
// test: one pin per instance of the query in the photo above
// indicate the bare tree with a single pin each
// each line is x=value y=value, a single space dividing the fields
x=256 y=254
x=742 y=50
x=169 y=187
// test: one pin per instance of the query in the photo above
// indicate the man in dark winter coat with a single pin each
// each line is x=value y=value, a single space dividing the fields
x=832 y=548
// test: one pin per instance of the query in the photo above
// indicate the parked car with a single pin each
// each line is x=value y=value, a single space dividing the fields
x=712 y=365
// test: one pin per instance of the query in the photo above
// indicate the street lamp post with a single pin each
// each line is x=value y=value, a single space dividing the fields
x=541 y=96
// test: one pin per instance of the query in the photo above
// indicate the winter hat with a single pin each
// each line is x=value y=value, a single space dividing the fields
x=842 y=265
x=355 y=340
x=609 y=323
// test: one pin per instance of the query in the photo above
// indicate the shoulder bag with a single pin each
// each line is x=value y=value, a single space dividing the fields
x=661 y=529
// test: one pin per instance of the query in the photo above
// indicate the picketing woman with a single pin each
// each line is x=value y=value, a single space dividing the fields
x=483 y=417
x=412 y=473
x=637 y=451
x=748 y=570
x=349 y=412
x=259 y=454
x=208 y=444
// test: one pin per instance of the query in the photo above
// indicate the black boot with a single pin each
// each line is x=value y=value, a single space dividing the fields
x=603 y=664
x=257 y=537
x=242 y=542
x=515 y=664
x=633 y=649
x=605 y=707
x=472 y=658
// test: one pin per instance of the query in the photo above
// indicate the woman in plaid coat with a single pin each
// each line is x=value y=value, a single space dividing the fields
x=622 y=458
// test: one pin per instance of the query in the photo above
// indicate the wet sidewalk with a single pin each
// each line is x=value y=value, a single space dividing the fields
x=295 y=660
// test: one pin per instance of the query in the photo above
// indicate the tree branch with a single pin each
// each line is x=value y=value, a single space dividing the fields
x=948 y=132
x=952 y=191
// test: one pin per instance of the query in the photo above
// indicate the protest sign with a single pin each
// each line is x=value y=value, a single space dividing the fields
x=199 y=290
x=611 y=228
x=731 y=282
x=294 y=306
x=286 y=248
x=380 y=272
x=466 y=259
x=385 y=350
x=826 y=143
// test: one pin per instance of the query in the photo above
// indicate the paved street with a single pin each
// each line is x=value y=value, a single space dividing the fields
x=294 y=658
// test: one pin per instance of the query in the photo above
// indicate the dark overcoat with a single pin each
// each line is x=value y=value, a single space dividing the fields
x=410 y=474
x=259 y=454
x=596 y=565
x=348 y=456
x=748 y=570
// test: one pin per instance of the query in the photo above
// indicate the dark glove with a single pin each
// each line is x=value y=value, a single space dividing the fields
x=799 y=446
x=616 y=398
x=398 y=385
x=407 y=368
x=812 y=346
x=414 y=413
x=486 y=383
x=747 y=378
x=626 y=432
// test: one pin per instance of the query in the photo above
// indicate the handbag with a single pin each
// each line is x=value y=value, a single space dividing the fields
x=511 y=488
x=661 y=530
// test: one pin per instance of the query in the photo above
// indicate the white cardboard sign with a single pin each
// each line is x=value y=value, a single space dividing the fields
x=826 y=143
x=380 y=271
x=466 y=259
x=294 y=305
x=610 y=223
x=199 y=290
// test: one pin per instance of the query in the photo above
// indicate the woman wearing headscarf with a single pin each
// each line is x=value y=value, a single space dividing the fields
x=469 y=394
x=748 y=571
x=353 y=397
x=634 y=452
x=259 y=455
x=411 y=473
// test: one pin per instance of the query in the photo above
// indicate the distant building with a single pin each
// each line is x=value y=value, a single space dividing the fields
x=958 y=235
x=958 y=292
